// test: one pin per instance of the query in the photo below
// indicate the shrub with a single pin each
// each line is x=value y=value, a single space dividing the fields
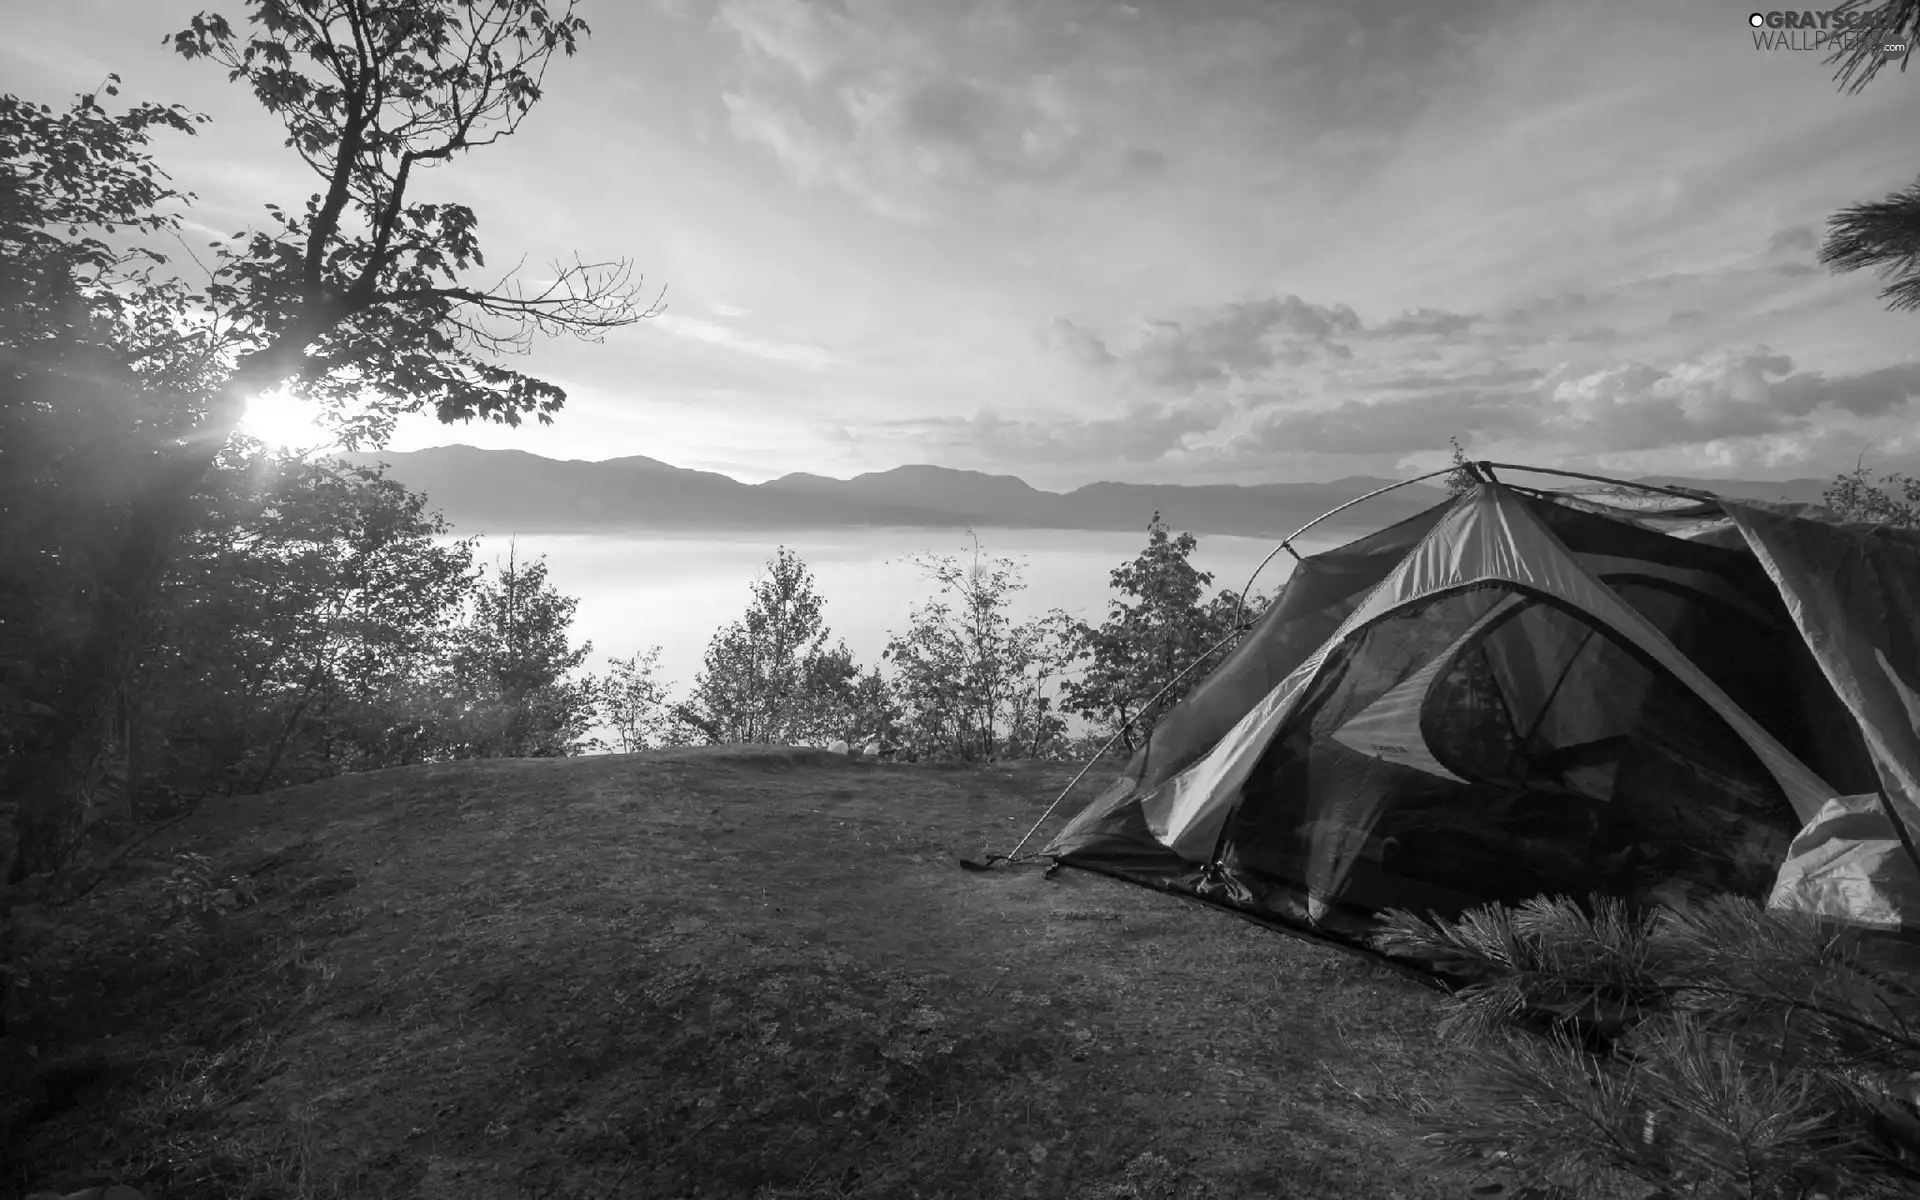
x=1719 y=1050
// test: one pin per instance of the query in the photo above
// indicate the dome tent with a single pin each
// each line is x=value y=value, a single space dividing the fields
x=1521 y=692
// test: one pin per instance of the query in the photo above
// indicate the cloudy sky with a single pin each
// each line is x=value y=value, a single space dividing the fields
x=1185 y=240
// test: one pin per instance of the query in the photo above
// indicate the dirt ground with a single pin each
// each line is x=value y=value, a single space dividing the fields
x=707 y=973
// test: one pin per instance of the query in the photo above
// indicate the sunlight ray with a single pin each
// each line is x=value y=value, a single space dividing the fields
x=283 y=422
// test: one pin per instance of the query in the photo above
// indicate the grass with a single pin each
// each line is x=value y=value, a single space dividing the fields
x=753 y=974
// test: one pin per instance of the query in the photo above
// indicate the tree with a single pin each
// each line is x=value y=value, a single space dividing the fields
x=1462 y=479
x=92 y=380
x=633 y=701
x=360 y=302
x=876 y=713
x=1041 y=651
x=1156 y=629
x=971 y=681
x=1858 y=60
x=1893 y=499
x=71 y=179
x=506 y=675
x=304 y=602
x=1884 y=234
x=770 y=676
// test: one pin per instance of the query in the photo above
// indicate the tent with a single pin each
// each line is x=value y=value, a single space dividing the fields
x=1523 y=691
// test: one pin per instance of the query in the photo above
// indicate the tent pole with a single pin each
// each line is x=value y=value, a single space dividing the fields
x=1684 y=493
x=1286 y=543
x=1239 y=607
x=1102 y=751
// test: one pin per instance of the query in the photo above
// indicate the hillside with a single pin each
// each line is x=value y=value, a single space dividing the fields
x=710 y=973
x=501 y=491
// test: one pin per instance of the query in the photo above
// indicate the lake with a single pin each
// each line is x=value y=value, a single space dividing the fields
x=677 y=591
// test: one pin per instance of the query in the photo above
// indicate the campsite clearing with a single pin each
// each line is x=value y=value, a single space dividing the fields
x=725 y=973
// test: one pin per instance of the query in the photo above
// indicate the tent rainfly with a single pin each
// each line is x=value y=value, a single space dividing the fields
x=1522 y=692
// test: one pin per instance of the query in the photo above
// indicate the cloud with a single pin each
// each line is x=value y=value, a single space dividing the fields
x=1145 y=160
x=1078 y=344
x=914 y=109
x=1436 y=381
x=57 y=60
x=1791 y=250
x=1552 y=308
x=1793 y=237
x=1624 y=408
x=694 y=329
x=1598 y=335
x=1879 y=393
x=790 y=34
x=1428 y=321
x=1142 y=433
x=1639 y=407
x=1391 y=426
x=1236 y=341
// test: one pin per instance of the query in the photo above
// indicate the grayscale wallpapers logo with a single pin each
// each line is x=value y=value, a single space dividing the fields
x=1829 y=31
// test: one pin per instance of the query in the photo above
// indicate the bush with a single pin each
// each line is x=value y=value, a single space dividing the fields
x=1720 y=1050
x=1893 y=499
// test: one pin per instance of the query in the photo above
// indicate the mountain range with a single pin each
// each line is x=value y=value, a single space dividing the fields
x=513 y=491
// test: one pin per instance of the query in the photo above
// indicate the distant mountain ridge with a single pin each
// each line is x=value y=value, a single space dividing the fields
x=507 y=491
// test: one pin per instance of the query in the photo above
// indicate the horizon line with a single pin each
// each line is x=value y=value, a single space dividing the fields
x=1901 y=467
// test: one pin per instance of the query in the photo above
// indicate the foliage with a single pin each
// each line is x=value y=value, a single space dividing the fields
x=1883 y=235
x=633 y=701
x=69 y=181
x=1893 y=499
x=504 y=687
x=1157 y=628
x=1857 y=60
x=308 y=600
x=770 y=676
x=286 y=637
x=972 y=683
x=877 y=714
x=1462 y=478
x=1718 y=1050
x=361 y=302
x=92 y=386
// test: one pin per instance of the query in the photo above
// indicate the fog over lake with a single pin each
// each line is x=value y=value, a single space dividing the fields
x=676 y=591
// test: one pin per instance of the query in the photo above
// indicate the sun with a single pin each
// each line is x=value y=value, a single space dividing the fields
x=282 y=422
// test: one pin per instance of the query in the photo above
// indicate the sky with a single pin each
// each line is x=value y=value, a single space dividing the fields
x=1186 y=242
